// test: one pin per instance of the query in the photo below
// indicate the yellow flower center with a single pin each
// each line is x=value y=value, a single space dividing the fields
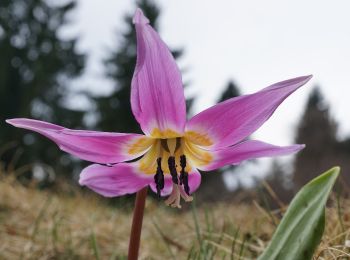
x=176 y=147
x=173 y=156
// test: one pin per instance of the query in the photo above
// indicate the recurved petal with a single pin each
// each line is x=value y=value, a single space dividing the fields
x=114 y=181
x=230 y=122
x=99 y=147
x=248 y=150
x=194 y=180
x=157 y=95
x=168 y=186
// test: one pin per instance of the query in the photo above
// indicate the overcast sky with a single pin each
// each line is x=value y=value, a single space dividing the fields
x=254 y=42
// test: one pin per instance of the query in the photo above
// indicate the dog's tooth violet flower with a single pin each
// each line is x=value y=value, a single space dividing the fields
x=172 y=150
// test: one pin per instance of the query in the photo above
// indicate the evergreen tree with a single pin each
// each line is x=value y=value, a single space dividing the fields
x=214 y=181
x=35 y=68
x=318 y=131
x=280 y=183
x=114 y=111
x=230 y=92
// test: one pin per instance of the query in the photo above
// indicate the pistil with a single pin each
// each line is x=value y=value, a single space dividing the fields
x=174 y=199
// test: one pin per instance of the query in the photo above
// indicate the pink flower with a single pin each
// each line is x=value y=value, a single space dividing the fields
x=172 y=148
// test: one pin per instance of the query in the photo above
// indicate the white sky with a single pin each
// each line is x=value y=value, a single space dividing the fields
x=254 y=42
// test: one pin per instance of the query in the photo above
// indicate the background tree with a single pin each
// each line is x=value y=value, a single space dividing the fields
x=35 y=68
x=279 y=184
x=318 y=131
x=214 y=181
x=230 y=92
x=114 y=111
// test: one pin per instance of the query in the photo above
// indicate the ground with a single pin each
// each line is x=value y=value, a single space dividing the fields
x=69 y=224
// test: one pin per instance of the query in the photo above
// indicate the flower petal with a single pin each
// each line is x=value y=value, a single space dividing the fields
x=248 y=150
x=194 y=180
x=168 y=186
x=157 y=95
x=117 y=180
x=232 y=121
x=100 y=147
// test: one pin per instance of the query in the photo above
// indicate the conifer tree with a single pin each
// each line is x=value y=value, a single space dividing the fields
x=36 y=66
x=230 y=92
x=317 y=130
x=280 y=183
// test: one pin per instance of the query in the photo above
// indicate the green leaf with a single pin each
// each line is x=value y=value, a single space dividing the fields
x=301 y=228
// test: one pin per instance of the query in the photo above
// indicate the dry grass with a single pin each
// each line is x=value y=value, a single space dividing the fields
x=41 y=225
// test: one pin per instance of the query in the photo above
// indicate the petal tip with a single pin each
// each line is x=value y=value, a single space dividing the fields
x=295 y=148
x=140 y=18
x=81 y=181
x=9 y=121
x=81 y=176
x=310 y=76
x=307 y=77
x=15 y=121
x=301 y=80
x=85 y=173
x=301 y=146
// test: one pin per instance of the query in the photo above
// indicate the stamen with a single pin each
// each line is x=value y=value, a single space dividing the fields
x=159 y=177
x=178 y=143
x=172 y=169
x=183 y=162
x=164 y=144
x=171 y=145
x=184 y=174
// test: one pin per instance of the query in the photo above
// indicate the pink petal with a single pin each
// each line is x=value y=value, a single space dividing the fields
x=157 y=95
x=100 y=147
x=168 y=186
x=232 y=121
x=248 y=150
x=194 y=180
x=117 y=180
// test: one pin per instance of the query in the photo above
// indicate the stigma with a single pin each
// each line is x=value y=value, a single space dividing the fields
x=171 y=152
x=176 y=194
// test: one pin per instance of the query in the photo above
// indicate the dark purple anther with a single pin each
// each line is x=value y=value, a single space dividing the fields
x=184 y=175
x=159 y=177
x=172 y=169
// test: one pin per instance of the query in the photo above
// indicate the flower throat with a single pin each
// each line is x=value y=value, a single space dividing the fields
x=173 y=146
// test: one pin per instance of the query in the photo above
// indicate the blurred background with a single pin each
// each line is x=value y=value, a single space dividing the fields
x=71 y=63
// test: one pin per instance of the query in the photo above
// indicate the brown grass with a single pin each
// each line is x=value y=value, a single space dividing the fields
x=42 y=225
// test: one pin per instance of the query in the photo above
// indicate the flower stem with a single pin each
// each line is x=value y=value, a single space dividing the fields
x=134 y=242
